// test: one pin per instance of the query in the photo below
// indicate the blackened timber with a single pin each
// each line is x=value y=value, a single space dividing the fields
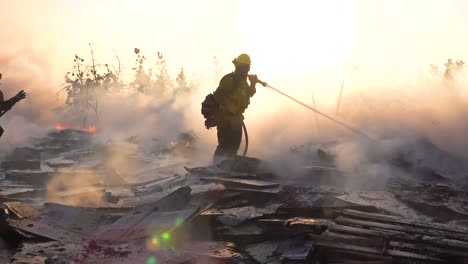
x=398 y=220
x=389 y=252
x=396 y=235
x=374 y=241
x=45 y=230
x=242 y=182
x=406 y=229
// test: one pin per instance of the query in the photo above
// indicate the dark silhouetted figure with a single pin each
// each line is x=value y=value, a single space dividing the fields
x=232 y=97
x=5 y=106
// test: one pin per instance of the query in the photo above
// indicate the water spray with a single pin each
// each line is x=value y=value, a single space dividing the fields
x=353 y=129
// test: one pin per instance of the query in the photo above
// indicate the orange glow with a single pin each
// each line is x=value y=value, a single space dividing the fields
x=92 y=129
x=152 y=244
x=60 y=126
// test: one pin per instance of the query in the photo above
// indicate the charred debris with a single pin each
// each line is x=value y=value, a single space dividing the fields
x=67 y=199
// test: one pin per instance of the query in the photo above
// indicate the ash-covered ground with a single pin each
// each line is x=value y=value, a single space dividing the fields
x=72 y=197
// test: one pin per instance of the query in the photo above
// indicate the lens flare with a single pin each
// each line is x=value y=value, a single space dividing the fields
x=151 y=260
x=165 y=236
x=155 y=241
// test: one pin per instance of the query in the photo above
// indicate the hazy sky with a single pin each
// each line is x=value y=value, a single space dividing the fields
x=287 y=40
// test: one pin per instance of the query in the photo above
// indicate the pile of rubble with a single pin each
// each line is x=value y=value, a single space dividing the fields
x=155 y=209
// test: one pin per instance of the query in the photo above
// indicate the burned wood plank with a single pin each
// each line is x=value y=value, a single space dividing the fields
x=156 y=223
x=33 y=177
x=242 y=182
x=374 y=241
x=390 y=252
x=396 y=235
x=406 y=229
x=323 y=169
x=59 y=162
x=175 y=199
x=51 y=251
x=399 y=220
x=21 y=164
x=114 y=194
x=159 y=222
x=20 y=192
x=45 y=230
x=429 y=249
x=298 y=248
x=235 y=216
x=162 y=184
x=344 y=238
x=81 y=220
x=363 y=231
x=29 y=260
x=24 y=153
x=212 y=212
x=22 y=210
x=264 y=252
x=380 y=199
x=265 y=191
x=297 y=224
x=322 y=210
x=146 y=199
x=206 y=188
x=208 y=252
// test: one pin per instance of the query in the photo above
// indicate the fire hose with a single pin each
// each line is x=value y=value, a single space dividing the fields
x=264 y=84
x=246 y=147
x=353 y=129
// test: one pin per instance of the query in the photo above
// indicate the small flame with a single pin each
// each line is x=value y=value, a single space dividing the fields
x=60 y=126
x=92 y=129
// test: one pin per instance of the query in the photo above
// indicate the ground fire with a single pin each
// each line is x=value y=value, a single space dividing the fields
x=91 y=129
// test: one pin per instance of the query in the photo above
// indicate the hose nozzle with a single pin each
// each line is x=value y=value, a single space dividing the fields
x=262 y=83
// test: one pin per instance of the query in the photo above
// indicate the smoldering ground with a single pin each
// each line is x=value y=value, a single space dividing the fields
x=155 y=120
x=403 y=115
x=26 y=71
x=417 y=120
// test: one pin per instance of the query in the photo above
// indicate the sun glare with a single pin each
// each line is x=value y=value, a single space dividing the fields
x=298 y=36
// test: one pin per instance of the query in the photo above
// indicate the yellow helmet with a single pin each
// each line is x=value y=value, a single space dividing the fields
x=242 y=59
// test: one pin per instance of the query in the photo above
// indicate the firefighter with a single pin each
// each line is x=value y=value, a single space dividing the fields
x=8 y=104
x=232 y=97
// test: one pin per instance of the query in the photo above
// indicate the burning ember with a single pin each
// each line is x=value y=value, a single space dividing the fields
x=91 y=129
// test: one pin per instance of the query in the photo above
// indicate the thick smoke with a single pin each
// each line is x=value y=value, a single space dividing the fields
x=397 y=110
x=419 y=119
x=34 y=115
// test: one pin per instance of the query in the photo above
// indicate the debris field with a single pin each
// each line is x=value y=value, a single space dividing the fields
x=68 y=199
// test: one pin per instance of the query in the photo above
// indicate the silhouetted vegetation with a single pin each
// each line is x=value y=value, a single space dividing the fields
x=451 y=69
x=88 y=83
